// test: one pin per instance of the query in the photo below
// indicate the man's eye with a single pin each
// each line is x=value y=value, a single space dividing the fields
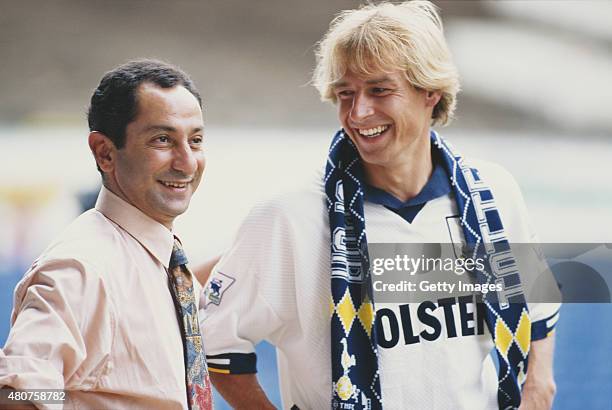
x=162 y=139
x=197 y=140
x=345 y=94
x=379 y=90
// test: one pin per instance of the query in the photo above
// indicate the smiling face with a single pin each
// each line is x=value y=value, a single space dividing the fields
x=385 y=116
x=162 y=162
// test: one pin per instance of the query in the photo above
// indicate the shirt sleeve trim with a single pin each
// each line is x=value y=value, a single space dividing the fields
x=541 y=329
x=232 y=363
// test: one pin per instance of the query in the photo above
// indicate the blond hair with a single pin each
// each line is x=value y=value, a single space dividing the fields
x=388 y=37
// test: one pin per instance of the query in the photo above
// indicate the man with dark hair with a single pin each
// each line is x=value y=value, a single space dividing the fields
x=108 y=312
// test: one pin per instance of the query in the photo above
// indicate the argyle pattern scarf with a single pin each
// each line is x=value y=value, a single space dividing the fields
x=355 y=375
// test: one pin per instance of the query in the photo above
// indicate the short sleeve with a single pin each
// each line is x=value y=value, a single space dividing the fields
x=60 y=328
x=250 y=292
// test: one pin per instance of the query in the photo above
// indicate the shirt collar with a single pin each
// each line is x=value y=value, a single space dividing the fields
x=155 y=237
x=437 y=186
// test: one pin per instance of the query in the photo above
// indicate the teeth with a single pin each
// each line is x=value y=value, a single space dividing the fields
x=373 y=132
x=174 y=184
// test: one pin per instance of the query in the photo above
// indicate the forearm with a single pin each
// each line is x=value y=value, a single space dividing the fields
x=539 y=389
x=241 y=391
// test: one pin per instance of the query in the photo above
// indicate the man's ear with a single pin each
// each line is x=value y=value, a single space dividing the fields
x=432 y=98
x=103 y=150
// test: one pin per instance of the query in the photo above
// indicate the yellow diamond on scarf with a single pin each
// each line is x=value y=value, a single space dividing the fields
x=523 y=333
x=366 y=315
x=503 y=337
x=346 y=312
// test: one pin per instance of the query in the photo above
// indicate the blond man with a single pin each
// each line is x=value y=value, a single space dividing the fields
x=298 y=273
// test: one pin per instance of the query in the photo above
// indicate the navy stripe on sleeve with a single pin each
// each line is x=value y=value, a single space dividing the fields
x=542 y=328
x=232 y=363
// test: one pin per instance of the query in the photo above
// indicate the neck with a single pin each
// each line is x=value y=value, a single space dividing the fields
x=115 y=189
x=405 y=179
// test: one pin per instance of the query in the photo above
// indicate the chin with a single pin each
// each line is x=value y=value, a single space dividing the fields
x=373 y=159
x=170 y=209
x=177 y=210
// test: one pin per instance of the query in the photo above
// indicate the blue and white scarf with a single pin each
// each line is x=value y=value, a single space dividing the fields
x=355 y=375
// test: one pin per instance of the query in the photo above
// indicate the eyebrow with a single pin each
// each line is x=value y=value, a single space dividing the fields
x=168 y=128
x=370 y=82
x=379 y=80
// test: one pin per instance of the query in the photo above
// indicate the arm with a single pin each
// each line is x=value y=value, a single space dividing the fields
x=242 y=391
x=47 y=346
x=202 y=272
x=246 y=294
x=539 y=389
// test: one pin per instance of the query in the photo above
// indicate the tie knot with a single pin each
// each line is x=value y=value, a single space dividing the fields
x=178 y=256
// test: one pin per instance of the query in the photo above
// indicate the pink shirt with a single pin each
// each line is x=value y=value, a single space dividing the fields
x=94 y=315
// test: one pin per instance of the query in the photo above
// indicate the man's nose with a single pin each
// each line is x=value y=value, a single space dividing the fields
x=362 y=108
x=185 y=159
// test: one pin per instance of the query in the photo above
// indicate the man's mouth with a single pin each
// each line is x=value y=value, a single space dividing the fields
x=372 y=132
x=172 y=184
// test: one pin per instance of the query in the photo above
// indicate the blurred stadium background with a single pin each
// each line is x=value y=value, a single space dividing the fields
x=536 y=91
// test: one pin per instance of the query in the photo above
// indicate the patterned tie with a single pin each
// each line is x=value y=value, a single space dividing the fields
x=199 y=395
